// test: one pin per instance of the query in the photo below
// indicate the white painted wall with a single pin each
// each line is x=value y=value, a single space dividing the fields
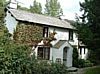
x=63 y=34
x=10 y=22
x=82 y=55
x=75 y=39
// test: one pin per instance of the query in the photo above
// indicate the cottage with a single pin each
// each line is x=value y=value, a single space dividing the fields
x=60 y=50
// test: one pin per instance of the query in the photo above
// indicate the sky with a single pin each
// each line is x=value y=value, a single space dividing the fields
x=70 y=7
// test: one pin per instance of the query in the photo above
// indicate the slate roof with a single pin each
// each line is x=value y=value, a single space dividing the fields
x=59 y=43
x=38 y=18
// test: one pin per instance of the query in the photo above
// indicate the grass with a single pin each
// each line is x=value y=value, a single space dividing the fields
x=95 y=70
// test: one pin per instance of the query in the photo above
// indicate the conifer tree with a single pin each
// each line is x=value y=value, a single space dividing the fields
x=36 y=7
x=53 y=8
x=89 y=29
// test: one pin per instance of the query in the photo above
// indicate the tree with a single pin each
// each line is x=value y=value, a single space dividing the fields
x=36 y=7
x=89 y=29
x=4 y=35
x=53 y=8
x=1 y=17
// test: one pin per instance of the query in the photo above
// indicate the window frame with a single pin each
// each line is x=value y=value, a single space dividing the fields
x=44 y=54
x=45 y=31
x=71 y=36
x=80 y=50
x=84 y=50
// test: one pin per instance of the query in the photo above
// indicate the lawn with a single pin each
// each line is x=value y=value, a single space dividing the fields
x=95 y=70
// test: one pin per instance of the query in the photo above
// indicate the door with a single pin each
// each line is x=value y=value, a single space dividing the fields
x=65 y=56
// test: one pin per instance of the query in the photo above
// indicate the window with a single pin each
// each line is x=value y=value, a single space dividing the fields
x=43 y=53
x=84 y=50
x=45 y=32
x=80 y=50
x=58 y=60
x=70 y=35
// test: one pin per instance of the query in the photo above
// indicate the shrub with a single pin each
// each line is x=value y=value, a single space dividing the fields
x=15 y=59
x=88 y=63
x=94 y=57
x=84 y=63
x=81 y=63
x=75 y=57
x=58 y=69
x=45 y=68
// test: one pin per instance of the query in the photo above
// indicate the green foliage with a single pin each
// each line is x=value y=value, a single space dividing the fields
x=89 y=29
x=85 y=35
x=2 y=14
x=84 y=63
x=47 y=68
x=53 y=8
x=88 y=63
x=47 y=40
x=31 y=34
x=15 y=59
x=75 y=57
x=28 y=33
x=36 y=7
x=94 y=56
x=81 y=63
x=2 y=3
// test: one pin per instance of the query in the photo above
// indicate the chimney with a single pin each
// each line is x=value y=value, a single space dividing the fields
x=13 y=4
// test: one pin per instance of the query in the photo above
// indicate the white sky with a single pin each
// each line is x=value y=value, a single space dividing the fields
x=70 y=7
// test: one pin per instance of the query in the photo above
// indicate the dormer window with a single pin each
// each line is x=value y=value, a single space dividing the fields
x=70 y=35
x=45 y=32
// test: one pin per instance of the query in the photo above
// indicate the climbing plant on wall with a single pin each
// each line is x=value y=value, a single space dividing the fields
x=27 y=33
x=47 y=41
x=31 y=34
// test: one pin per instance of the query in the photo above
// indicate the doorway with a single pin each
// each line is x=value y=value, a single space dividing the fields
x=65 y=55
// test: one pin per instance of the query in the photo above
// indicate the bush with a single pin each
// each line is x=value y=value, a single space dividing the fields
x=94 y=56
x=88 y=63
x=75 y=57
x=84 y=63
x=46 y=68
x=15 y=59
x=81 y=63
x=58 y=69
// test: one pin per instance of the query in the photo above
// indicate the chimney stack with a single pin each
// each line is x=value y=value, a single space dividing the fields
x=13 y=4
